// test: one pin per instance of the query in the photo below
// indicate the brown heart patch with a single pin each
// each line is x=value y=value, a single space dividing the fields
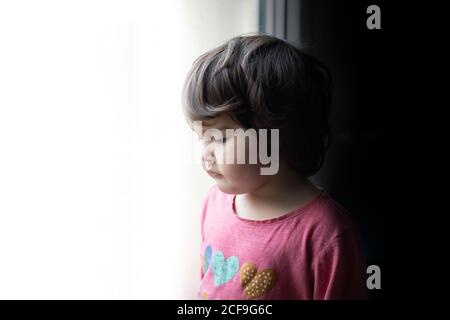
x=255 y=283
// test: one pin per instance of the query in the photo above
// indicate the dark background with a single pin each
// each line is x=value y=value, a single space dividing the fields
x=361 y=170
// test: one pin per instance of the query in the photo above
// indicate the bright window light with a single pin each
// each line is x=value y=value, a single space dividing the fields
x=98 y=196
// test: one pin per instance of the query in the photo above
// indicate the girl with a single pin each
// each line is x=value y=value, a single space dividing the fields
x=274 y=236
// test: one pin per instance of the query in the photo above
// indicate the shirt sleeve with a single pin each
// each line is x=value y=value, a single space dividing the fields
x=338 y=270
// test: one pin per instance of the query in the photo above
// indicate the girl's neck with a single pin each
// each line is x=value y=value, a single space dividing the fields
x=284 y=183
x=282 y=193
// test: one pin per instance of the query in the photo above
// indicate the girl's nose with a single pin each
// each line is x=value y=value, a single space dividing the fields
x=208 y=165
x=209 y=160
x=208 y=156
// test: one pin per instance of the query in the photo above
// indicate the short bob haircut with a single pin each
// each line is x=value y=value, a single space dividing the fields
x=263 y=82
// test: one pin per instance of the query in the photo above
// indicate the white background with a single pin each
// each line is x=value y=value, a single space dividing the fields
x=99 y=196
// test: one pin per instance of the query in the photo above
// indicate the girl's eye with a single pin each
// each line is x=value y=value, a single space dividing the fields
x=213 y=139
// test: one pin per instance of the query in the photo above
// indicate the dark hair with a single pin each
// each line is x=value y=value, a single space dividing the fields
x=264 y=82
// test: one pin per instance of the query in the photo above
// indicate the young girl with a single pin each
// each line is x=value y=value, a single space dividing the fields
x=272 y=236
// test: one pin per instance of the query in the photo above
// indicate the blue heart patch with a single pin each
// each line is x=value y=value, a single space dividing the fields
x=207 y=258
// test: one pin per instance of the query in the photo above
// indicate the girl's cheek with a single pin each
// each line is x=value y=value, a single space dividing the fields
x=220 y=152
x=232 y=152
x=223 y=153
x=235 y=151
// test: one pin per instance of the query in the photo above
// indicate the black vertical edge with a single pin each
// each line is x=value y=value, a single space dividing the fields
x=262 y=16
x=285 y=18
x=274 y=19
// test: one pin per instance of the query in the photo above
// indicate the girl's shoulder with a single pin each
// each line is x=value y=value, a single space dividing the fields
x=215 y=198
x=215 y=194
x=328 y=219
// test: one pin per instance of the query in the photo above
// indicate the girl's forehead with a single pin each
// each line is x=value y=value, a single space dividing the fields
x=223 y=121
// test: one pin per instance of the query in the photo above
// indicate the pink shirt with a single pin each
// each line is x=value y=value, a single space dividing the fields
x=312 y=252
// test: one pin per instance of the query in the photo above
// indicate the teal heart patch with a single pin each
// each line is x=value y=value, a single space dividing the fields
x=223 y=270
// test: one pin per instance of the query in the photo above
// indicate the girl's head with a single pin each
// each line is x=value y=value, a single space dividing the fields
x=260 y=82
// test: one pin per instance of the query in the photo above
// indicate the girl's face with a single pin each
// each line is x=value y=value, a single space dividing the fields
x=231 y=177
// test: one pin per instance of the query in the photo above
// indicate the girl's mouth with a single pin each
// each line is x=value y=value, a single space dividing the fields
x=214 y=174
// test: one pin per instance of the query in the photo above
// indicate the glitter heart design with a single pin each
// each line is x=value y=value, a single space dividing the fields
x=223 y=270
x=254 y=283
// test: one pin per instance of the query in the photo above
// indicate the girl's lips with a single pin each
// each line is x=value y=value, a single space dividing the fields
x=214 y=174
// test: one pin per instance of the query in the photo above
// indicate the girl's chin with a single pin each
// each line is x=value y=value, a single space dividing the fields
x=229 y=189
x=225 y=188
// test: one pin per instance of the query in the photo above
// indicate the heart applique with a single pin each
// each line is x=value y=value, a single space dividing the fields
x=207 y=259
x=223 y=270
x=254 y=283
